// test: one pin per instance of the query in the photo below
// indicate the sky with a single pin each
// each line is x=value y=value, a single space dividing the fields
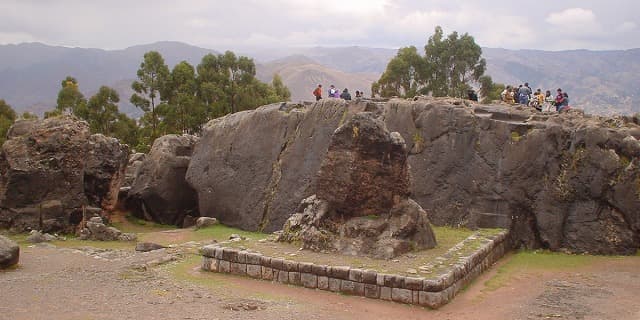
x=238 y=24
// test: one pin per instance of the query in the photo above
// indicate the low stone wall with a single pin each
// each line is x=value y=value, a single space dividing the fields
x=431 y=292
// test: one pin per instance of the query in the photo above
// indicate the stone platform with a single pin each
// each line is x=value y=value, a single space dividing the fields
x=455 y=269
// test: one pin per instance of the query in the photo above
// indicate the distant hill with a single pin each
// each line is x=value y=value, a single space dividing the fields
x=601 y=82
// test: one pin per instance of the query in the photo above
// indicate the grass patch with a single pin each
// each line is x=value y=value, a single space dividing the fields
x=221 y=232
x=130 y=224
x=535 y=261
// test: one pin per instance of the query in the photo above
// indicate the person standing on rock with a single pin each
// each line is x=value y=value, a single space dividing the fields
x=318 y=92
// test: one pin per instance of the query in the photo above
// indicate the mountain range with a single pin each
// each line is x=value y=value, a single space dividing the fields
x=601 y=82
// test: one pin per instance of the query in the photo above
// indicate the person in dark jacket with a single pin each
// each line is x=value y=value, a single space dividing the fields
x=345 y=94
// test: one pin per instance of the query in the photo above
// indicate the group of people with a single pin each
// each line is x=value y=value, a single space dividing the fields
x=545 y=102
x=333 y=92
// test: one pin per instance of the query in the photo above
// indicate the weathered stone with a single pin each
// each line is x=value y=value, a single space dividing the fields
x=372 y=291
x=277 y=264
x=334 y=284
x=369 y=277
x=206 y=263
x=290 y=266
x=148 y=246
x=413 y=283
x=309 y=280
x=253 y=258
x=431 y=299
x=401 y=295
x=9 y=252
x=230 y=254
x=254 y=271
x=348 y=287
x=50 y=169
x=209 y=250
x=323 y=283
x=160 y=192
x=238 y=268
x=340 y=272
x=385 y=293
x=203 y=222
x=355 y=275
x=224 y=266
x=38 y=237
x=267 y=274
x=189 y=221
x=305 y=267
x=96 y=230
x=283 y=276
x=241 y=257
x=294 y=278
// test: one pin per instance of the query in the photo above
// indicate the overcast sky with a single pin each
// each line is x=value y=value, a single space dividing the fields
x=236 y=24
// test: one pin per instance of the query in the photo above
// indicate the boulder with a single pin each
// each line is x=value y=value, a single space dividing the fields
x=148 y=246
x=95 y=229
x=38 y=237
x=160 y=192
x=51 y=168
x=362 y=205
x=204 y=222
x=9 y=252
x=251 y=169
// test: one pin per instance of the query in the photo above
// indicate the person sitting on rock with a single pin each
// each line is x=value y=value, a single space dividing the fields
x=505 y=93
x=345 y=94
x=333 y=92
x=559 y=99
x=565 y=103
x=549 y=101
x=473 y=96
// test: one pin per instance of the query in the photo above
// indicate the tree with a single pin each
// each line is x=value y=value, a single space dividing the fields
x=70 y=99
x=7 y=118
x=152 y=78
x=282 y=93
x=490 y=91
x=182 y=112
x=102 y=111
x=446 y=69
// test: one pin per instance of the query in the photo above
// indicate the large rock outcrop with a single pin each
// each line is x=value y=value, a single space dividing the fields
x=160 y=192
x=251 y=169
x=362 y=205
x=560 y=181
x=51 y=168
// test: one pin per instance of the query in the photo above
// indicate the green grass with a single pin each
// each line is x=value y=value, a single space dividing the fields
x=131 y=224
x=221 y=232
x=527 y=261
x=183 y=271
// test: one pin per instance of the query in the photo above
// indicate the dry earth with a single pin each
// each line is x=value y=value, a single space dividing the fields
x=54 y=282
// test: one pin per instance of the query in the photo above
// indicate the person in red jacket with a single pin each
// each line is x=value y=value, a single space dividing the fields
x=318 y=92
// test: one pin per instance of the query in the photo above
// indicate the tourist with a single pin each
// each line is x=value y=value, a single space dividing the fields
x=318 y=92
x=524 y=93
x=565 y=103
x=559 y=99
x=504 y=93
x=345 y=94
x=333 y=92
x=549 y=101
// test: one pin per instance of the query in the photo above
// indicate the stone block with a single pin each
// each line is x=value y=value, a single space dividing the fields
x=209 y=251
x=380 y=279
x=219 y=253
x=253 y=258
x=283 y=276
x=372 y=291
x=385 y=293
x=267 y=273
x=241 y=257
x=319 y=270
x=224 y=266
x=276 y=274
x=369 y=276
x=230 y=255
x=355 y=275
x=206 y=263
x=401 y=295
x=394 y=281
x=433 y=285
x=309 y=280
x=290 y=266
x=431 y=299
x=305 y=267
x=415 y=297
x=277 y=264
x=254 y=271
x=214 y=265
x=239 y=268
x=323 y=283
x=413 y=283
x=340 y=273
x=294 y=278
x=265 y=261
x=334 y=284
x=348 y=287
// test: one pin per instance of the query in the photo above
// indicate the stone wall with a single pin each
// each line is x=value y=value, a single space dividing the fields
x=431 y=292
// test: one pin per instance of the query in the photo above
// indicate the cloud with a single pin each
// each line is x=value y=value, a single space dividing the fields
x=577 y=21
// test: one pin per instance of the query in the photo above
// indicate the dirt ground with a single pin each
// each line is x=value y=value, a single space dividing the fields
x=87 y=283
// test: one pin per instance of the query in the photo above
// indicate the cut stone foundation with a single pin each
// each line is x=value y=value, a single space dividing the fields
x=432 y=292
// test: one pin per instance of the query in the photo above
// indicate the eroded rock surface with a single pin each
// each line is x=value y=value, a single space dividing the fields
x=9 y=252
x=51 y=168
x=362 y=205
x=160 y=192
x=559 y=181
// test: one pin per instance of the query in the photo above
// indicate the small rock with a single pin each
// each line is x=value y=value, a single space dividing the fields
x=412 y=271
x=38 y=237
x=148 y=246
x=9 y=252
x=395 y=260
x=204 y=222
